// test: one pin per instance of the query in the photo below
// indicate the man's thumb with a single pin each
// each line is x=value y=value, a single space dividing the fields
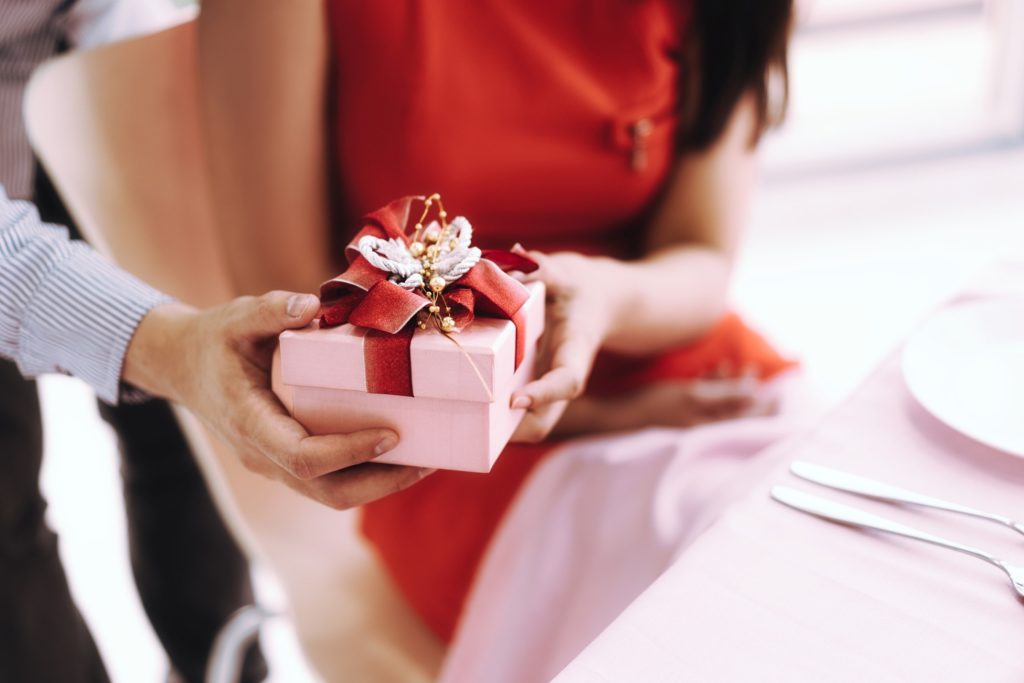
x=300 y=309
x=275 y=312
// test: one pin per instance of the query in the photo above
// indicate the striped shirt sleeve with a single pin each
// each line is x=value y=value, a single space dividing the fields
x=63 y=307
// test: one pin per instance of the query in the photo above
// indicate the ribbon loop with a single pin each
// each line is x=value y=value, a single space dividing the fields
x=364 y=296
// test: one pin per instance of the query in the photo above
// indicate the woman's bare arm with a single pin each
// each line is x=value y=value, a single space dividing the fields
x=262 y=74
x=674 y=294
x=679 y=290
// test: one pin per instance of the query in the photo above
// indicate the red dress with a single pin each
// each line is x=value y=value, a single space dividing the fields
x=546 y=123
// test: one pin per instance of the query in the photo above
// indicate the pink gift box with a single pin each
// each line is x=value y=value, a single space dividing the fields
x=459 y=418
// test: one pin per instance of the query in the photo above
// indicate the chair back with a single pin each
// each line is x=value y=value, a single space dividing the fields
x=118 y=130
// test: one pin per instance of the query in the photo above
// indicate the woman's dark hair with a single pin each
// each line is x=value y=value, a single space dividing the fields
x=733 y=48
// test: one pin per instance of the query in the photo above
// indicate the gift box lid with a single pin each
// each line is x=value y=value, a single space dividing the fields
x=469 y=366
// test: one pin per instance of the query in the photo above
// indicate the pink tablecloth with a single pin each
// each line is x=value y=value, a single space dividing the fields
x=735 y=587
x=771 y=594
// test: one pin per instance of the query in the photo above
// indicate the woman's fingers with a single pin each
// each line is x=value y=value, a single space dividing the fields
x=571 y=360
x=714 y=400
x=560 y=384
x=536 y=426
x=575 y=328
x=547 y=271
x=723 y=409
x=546 y=398
x=570 y=344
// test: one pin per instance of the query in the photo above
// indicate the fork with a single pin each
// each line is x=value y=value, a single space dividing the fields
x=862 y=486
x=836 y=512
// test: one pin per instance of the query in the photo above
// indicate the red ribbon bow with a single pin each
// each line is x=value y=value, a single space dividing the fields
x=365 y=297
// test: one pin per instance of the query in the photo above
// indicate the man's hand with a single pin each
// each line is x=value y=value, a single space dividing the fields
x=217 y=364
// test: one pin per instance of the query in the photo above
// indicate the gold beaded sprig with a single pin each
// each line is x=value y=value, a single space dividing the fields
x=426 y=246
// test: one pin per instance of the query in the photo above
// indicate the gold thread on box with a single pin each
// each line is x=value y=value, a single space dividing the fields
x=425 y=248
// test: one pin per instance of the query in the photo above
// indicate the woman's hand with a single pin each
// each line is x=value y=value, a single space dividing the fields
x=671 y=403
x=580 y=311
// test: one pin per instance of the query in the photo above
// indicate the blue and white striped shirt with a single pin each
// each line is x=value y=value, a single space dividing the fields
x=63 y=307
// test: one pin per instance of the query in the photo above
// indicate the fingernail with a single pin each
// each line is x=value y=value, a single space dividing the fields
x=522 y=402
x=299 y=304
x=384 y=445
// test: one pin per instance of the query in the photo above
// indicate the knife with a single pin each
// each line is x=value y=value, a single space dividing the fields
x=836 y=512
x=862 y=486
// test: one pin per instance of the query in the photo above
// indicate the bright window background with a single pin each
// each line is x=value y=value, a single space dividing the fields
x=878 y=81
x=898 y=175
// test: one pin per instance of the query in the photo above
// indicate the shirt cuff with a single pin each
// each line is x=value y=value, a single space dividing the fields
x=81 y=320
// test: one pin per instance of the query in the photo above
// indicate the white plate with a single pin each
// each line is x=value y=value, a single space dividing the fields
x=966 y=367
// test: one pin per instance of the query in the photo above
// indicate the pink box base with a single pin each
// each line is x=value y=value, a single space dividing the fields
x=433 y=432
x=458 y=419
